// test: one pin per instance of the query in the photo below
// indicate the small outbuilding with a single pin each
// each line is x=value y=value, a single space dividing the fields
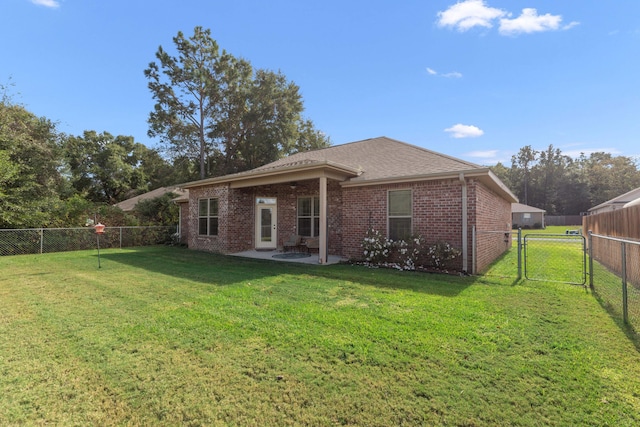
x=525 y=216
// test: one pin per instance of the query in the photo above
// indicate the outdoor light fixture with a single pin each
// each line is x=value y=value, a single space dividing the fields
x=293 y=185
x=99 y=228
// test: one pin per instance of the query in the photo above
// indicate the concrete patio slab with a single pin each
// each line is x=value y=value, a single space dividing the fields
x=312 y=259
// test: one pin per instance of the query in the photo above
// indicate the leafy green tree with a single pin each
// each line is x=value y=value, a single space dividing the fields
x=30 y=160
x=158 y=171
x=158 y=211
x=610 y=176
x=105 y=168
x=574 y=189
x=563 y=186
x=504 y=174
x=546 y=177
x=188 y=93
x=215 y=108
x=521 y=165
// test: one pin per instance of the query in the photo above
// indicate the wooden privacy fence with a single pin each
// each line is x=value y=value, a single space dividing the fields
x=614 y=248
x=624 y=223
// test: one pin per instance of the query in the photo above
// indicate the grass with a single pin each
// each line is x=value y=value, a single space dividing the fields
x=166 y=336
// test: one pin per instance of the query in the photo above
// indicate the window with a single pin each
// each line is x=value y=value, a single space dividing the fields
x=309 y=216
x=399 y=213
x=208 y=217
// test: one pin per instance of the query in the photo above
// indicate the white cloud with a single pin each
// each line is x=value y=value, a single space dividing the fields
x=453 y=74
x=47 y=3
x=476 y=13
x=530 y=22
x=464 y=131
x=570 y=25
x=489 y=154
x=468 y=14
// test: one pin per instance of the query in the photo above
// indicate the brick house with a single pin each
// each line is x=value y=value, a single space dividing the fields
x=336 y=194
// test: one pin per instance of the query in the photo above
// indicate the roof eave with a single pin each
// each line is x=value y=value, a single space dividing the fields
x=279 y=175
x=484 y=174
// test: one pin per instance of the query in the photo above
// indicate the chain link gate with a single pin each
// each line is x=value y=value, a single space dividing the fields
x=555 y=258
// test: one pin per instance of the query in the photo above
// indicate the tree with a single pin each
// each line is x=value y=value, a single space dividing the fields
x=30 y=160
x=158 y=211
x=188 y=94
x=546 y=177
x=105 y=168
x=563 y=186
x=521 y=167
x=610 y=176
x=215 y=108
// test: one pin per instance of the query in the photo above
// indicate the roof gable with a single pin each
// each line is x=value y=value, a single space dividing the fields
x=522 y=208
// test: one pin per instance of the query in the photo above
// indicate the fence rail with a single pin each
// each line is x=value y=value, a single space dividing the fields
x=47 y=240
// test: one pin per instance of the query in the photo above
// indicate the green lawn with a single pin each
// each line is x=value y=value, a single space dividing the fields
x=167 y=336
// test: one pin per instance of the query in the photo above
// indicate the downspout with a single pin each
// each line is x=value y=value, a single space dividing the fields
x=465 y=221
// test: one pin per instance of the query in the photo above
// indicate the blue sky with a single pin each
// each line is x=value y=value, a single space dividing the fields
x=473 y=79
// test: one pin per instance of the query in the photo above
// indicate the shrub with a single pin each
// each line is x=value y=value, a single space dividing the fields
x=441 y=254
x=376 y=247
x=409 y=252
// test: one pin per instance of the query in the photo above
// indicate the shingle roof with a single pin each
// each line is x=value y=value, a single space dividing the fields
x=379 y=158
x=521 y=208
x=367 y=162
x=621 y=200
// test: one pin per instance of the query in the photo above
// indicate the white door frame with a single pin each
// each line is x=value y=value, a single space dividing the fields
x=266 y=242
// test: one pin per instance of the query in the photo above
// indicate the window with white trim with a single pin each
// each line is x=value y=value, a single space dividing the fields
x=208 y=217
x=399 y=214
x=309 y=216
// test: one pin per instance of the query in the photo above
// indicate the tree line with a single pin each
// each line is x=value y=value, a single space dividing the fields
x=561 y=185
x=214 y=114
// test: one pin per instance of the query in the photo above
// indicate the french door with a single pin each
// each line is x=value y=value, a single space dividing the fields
x=266 y=223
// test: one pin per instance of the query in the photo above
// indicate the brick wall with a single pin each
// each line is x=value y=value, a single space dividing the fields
x=437 y=215
x=493 y=215
x=184 y=223
x=209 y=243
x=437 y=212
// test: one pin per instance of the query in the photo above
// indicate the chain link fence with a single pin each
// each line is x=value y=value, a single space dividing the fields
x=47 y=240
x=615 y=276
x=555 y=258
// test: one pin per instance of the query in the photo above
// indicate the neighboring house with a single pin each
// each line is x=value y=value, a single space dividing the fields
x=616 y=202
x=340 y=192
x=183 y=219
x=129 y=204
x=525 y=216
x=182 y=197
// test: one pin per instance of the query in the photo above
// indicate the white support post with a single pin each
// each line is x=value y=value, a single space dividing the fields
x=322 y=250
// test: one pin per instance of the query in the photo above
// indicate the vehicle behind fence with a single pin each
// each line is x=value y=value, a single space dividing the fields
x=46 y=240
